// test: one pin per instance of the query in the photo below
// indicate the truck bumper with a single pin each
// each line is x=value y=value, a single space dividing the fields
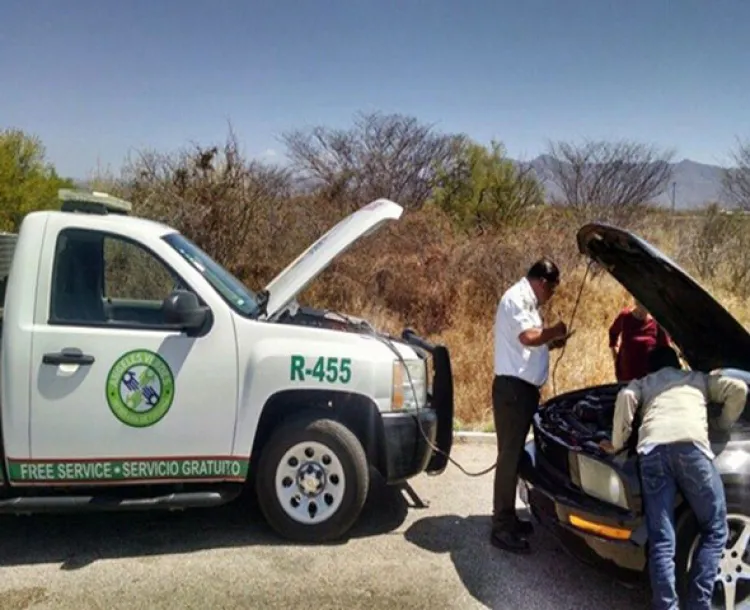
x=411 y=437
x=553 y=504
x=407 y=451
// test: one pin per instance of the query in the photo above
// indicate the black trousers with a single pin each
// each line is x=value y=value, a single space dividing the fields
x=514 y=402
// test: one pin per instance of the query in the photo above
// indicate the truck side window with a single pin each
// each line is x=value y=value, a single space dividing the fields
x=76 y=279
x=131 y=273
x=135 y=283
x=103 y=279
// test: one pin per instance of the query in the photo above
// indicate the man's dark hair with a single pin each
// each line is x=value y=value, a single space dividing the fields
x=663 y=357
x=544 y=269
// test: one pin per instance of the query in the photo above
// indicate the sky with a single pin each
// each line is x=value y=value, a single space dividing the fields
x=98 y=81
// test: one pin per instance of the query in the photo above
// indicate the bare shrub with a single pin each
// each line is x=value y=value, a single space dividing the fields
x=403 y=268
x=231 y=207
x=611 y=181
x=736 y=181
x=711 y=242
x=737 y=261
x=382 y=155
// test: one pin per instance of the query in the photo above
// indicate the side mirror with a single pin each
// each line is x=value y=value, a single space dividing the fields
x=181 y=308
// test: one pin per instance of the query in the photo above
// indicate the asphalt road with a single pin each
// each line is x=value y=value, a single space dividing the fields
x=397 y=557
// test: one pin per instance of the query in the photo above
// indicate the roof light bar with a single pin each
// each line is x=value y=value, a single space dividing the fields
x=94 y=202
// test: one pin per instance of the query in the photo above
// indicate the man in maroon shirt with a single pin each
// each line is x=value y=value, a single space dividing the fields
x=639 y=334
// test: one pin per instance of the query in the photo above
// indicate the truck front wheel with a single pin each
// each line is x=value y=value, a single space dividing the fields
x=312 y=479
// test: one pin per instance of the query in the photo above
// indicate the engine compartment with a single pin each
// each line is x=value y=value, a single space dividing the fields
x=299 y=315
x=581 y=419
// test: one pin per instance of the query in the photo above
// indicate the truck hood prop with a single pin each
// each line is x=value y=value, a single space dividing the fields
x=708 y=336
x=308 y=265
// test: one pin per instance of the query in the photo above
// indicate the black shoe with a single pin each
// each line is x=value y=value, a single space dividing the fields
x=509 y=541
x=525 y=528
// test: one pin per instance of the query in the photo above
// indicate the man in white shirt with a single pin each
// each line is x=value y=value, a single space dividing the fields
x=522 y=345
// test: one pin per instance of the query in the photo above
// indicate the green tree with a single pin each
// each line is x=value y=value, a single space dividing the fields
x=27 y=181
x=482 y=188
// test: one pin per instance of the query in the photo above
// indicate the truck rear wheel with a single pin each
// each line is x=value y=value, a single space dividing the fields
x=312 y=479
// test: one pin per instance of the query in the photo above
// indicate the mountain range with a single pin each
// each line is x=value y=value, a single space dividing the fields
x=695 y=184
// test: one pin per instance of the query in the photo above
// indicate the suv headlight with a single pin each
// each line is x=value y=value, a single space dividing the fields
x=402 y=395
x=601 y=481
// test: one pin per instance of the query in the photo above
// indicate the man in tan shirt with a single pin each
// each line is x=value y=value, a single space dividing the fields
x=675 y=454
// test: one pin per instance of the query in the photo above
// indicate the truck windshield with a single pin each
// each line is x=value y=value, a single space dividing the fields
x=234 y=292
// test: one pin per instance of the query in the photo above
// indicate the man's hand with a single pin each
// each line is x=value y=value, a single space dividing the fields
x=558 y=343
x=559 y=331
x=537 y=337
x=559 y=335
x=607 y=447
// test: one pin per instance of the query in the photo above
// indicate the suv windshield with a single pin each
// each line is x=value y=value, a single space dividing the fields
x=234 y=292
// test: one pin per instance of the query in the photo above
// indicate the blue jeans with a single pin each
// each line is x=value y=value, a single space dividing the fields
x=665 y=470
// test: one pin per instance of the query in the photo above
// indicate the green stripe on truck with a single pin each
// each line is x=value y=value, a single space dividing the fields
x=97 y=470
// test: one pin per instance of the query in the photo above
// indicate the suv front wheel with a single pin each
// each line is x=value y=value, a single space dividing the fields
x=732 y=588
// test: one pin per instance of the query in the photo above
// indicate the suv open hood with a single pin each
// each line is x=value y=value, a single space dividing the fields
x=708 y=336
x=308 y=265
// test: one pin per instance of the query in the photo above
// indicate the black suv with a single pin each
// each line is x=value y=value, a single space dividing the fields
x=592 y=500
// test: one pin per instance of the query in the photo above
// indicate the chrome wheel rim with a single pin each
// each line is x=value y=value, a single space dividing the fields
x=310 y=483
x=732 y=588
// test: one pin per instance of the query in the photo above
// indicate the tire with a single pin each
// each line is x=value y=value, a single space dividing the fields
x=315 y=497
x=738 y=516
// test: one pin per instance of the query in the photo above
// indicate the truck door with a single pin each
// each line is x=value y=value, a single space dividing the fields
x=117 y=396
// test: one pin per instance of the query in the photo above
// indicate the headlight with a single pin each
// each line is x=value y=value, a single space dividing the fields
x=402 y=395
x=600 y=481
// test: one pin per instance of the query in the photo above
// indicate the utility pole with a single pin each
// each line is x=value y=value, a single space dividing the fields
x=674 y=184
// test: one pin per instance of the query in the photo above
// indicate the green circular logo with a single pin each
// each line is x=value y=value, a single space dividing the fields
x=140 y=388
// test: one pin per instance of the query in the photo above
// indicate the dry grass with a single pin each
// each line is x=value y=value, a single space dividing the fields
x=585 y=361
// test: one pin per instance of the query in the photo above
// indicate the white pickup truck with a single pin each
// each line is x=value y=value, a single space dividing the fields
x=137 y=373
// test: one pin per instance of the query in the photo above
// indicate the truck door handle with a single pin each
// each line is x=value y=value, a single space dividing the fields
x=68 y=357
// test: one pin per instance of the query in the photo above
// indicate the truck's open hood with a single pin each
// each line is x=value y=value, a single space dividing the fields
x=306 y=267
x=706 y=333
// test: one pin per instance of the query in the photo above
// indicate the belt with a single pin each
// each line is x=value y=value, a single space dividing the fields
x=514 y=379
